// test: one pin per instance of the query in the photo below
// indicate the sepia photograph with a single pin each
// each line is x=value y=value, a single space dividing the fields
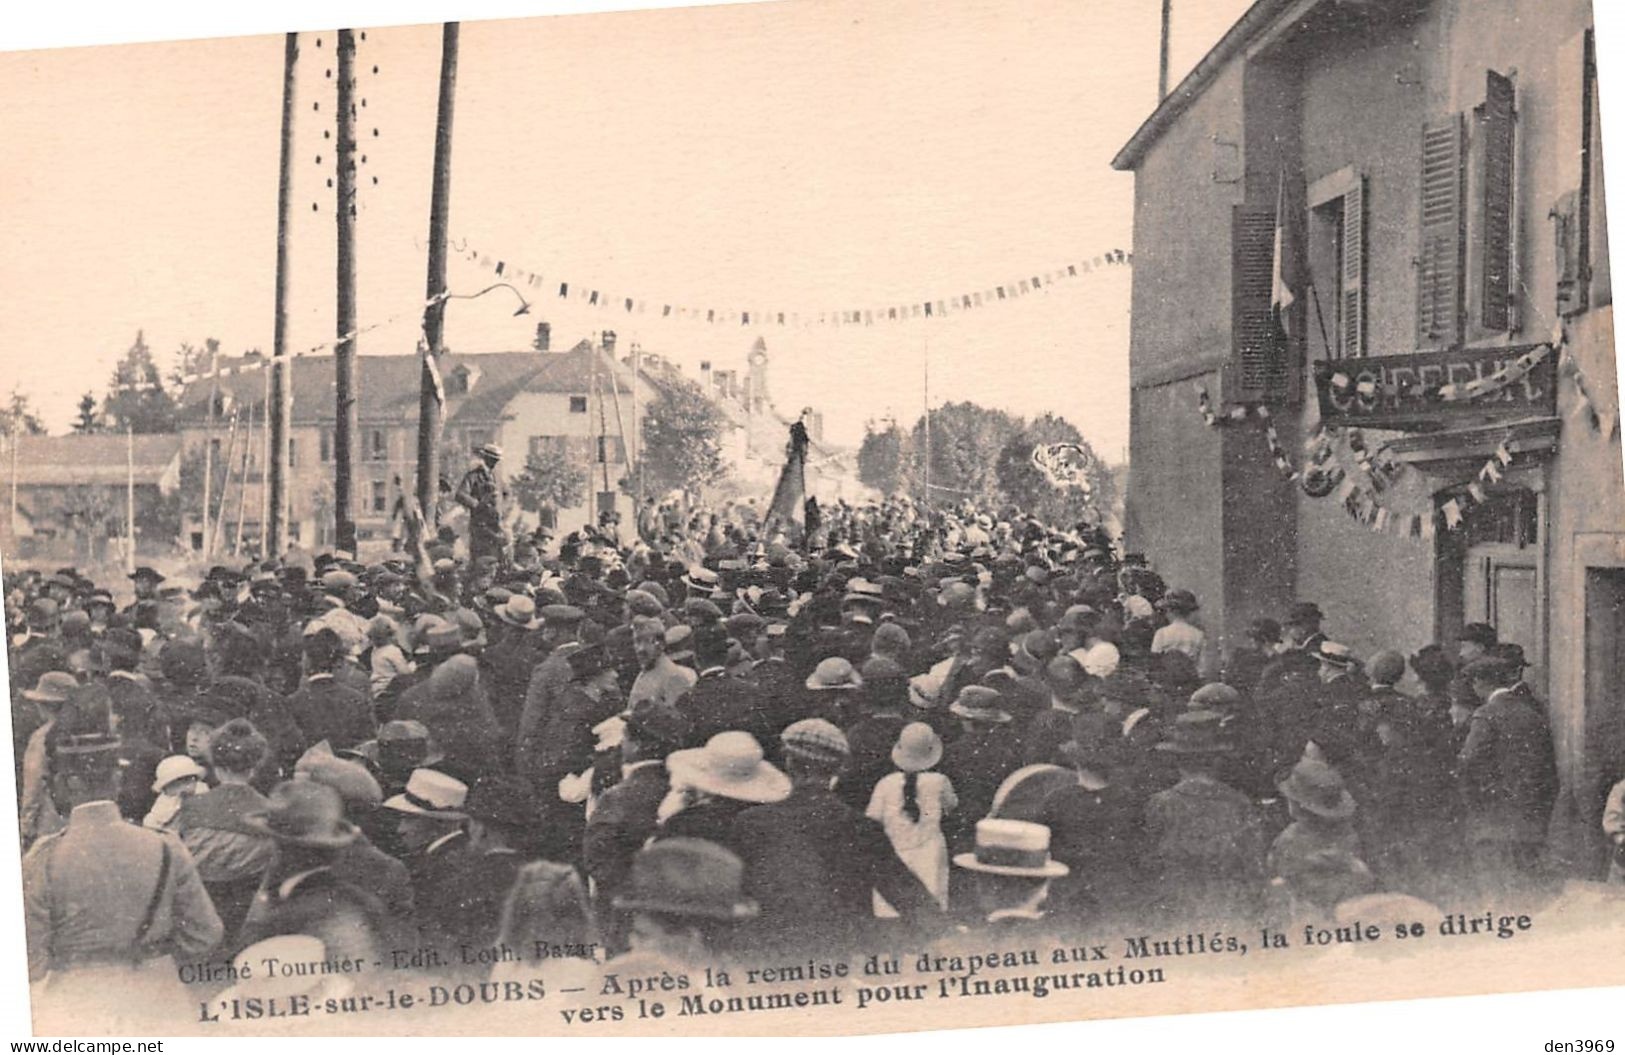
x=807 y=518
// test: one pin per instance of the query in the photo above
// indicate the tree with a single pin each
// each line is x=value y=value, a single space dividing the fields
x=192 y=361
x=87 y=418
x=682 y=438
x=965 y=442
x=881 y=457
x=19 y=417
x=1025 y=485
x=551 y=478
x=136 y=399
x=84 y=511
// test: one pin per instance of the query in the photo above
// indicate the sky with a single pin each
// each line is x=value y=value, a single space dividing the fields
x=798 y=156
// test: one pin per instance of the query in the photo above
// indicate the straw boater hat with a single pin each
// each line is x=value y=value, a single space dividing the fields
x=519 y=611
x=489 y=450
x=1011 y=848
x=730 y=765
x=1318 y=788
x=918 y=748
x=256 y=983
x=687 y=877
x=431 y=793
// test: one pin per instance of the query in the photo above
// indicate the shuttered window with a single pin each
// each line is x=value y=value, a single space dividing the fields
x=1259 y=371
x=1495 y=126
x=1441 y=256
x=1351 y=317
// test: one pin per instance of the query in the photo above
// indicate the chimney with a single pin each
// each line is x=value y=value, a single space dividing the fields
x=705 y=375
x=544 y=336
x=607 y=339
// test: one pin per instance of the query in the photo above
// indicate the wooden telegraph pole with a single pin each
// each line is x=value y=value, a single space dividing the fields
x=434 y=314
x=344 y=424
x=277 y=405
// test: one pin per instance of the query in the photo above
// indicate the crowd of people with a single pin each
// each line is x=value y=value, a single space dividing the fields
x=712 y=743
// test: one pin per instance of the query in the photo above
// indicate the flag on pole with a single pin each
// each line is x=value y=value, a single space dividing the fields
x=1281 y=296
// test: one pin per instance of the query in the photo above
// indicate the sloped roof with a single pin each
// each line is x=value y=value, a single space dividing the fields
x=387 y=385
x=100 y=459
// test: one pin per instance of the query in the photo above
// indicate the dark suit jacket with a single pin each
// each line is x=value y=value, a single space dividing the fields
x=719 y=702
x=505 y=669
x=462 y=897
x=813 y=863
x=329 y=710
x=1508 y=769
x=622 y=821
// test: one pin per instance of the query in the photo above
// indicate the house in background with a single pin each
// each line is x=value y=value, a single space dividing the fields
x=522 y=401
x=68 y=495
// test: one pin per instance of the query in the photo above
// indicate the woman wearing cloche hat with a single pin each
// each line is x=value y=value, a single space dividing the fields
x=910 y=804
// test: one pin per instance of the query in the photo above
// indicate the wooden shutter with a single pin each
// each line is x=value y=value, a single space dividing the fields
x=1257 y=367
x=1495 y=121
x=1439 y=263
x=1352 y=337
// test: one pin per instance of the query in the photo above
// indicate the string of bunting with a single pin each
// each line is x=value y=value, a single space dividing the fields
x=1329 y=476
x=936 y=307
x=1242 y=412
x=1325 y=474
x=1454 y=392
x=1603 y=421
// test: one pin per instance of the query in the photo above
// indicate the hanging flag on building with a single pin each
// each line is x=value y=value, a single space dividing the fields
x=1281 y=296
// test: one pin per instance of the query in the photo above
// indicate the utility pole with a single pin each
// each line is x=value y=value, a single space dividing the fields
x=1162 y=64
x=274 y=523
x=636 y=454
x=208 y=449
x=344 y=424
x=129 y=494
x=434 y=314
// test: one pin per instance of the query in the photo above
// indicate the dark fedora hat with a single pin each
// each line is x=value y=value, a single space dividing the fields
x=304 y=813
x=687 y=877
x=504 y=800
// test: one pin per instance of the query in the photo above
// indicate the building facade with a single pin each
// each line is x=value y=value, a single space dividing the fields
x=1424 y=176
x=578 y=401
x=70 y=496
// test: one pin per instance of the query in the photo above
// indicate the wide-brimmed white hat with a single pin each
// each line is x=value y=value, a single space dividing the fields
x=431 y=793
x=731 y=766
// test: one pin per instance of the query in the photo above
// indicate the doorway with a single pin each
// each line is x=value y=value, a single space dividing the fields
x=1492 y=571
x=1604 y=681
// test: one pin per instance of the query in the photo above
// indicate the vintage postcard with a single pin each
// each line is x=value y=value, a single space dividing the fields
x=819 y=517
